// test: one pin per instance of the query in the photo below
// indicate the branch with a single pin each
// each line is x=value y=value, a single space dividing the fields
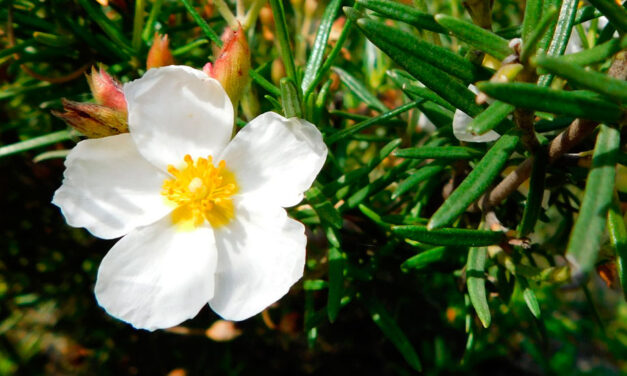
x=573 y=135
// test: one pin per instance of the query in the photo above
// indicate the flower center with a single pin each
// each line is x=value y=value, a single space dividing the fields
x=201 y=192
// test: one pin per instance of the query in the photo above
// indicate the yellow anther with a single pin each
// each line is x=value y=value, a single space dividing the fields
x=201 y=192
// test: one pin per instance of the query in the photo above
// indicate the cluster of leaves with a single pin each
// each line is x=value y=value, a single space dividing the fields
x=409 y=227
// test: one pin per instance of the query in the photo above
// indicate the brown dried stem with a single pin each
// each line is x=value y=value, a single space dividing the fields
x=573 y=135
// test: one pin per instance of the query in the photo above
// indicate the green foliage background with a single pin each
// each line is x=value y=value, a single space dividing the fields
x=399 y=278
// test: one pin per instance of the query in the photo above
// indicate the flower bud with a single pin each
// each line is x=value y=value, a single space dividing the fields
x=277 y=71
x=267 y=23
x=93 y=120
x=232 y=65
x=106 y=90
x=159 y=54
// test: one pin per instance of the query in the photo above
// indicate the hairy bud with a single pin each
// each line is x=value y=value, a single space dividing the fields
x=106 y=90
x=232 y=65
x=159 y=54
x=93 y=120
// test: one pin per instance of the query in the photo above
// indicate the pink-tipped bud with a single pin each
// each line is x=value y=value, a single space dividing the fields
x=93 y=120
x=232 y=65
x=159 y=54
x=106 y=90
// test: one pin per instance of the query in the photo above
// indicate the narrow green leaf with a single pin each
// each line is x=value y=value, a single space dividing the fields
x=430 y=259
x=545 y=42
x=29 y=19
x=601 y=83
x=415 y=90
x=105 y=24
x=53 y=40
x=97 y=41
x=17 y=48
x=596 y=54
x=323 y=207
x=476 y=36
x=440 y=57
x=320 y=104
x=312 y=319
x=379 y=184
x=37 y=142
x=450 y=236
x=530 y=298
x=278 y=107
x=533 y=12
x=435 y=79
x=491 y=117
x=439 y=152
x=476 y=182
x=475 y=281
x=360 y=90
x=282 y=36
x=149 y=27
x=261 y=81
x=563 y=28
x=367 y=123
x=561 y=34
x=424 y=173
x=351 y=177
x=573 y=103
x=536 y=192
x=616 y=14
x=332 y=54
x=531 y=44
x=586 y=13
x=336 y=283
x=320 y=44
x=587 y=233
x=17 y=89
x=289 y=99
x=138 y=23
x=393 y=332
x=189 y=47
x=403 y=13
x=618 y=237
x=204 y=26
x=373 y=216
x=510 y=32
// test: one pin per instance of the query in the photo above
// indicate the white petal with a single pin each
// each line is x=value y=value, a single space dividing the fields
x=276 y=159
x=260 y=255
x=460 y=129
x=157 y=276
x=461 y=122
x=177 y=110
x=109 y=188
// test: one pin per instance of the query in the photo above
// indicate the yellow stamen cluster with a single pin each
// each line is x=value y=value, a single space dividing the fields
x=201 y=192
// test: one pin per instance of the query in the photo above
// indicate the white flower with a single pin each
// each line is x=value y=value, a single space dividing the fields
x=461 y=122
x=202 y=218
